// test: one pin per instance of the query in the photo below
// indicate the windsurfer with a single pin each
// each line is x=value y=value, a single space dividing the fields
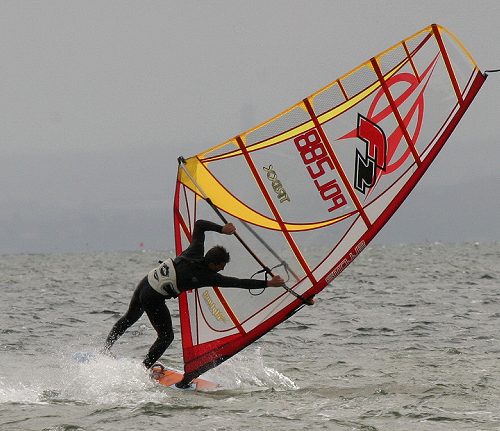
x=192 y=269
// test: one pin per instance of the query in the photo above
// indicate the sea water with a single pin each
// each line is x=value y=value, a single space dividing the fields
x=406 y=338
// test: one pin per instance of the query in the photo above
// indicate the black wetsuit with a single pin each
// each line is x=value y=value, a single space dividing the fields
x=192 y=272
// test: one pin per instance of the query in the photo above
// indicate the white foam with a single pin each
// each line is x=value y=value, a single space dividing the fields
x=10 y=392
x=247 y=370
x=101 y=380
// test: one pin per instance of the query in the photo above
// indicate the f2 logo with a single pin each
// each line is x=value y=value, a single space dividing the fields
x=375 y=155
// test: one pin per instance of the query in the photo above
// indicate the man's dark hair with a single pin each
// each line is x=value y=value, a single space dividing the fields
x=217 y=254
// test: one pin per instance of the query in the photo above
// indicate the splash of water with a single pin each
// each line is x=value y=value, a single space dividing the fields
x=248 y=370
x=95 y=379
x=98 y=380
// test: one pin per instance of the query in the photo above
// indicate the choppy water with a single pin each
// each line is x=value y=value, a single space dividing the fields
x=406 y=339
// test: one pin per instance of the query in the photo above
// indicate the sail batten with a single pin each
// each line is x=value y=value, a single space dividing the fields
x=310 y=188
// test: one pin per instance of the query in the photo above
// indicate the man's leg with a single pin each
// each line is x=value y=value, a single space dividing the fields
x=159 y=316
x=132 y=315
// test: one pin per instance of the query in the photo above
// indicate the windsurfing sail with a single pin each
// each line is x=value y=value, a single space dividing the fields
x=308 y=189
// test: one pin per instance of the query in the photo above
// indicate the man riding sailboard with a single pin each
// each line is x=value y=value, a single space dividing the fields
x=190 y=270
x=312 y=187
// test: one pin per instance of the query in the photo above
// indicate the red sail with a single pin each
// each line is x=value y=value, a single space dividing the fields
x=308 y=189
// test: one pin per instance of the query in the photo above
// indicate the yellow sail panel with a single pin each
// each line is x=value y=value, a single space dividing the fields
x=208 y=186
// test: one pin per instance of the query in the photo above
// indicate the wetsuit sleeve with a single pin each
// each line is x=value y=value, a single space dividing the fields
x=197 y=247
x=242 y=283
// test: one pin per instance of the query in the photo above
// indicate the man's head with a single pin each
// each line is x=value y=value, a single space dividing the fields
x=216 y=258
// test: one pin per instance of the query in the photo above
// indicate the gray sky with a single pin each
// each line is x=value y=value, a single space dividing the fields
x=99 y=98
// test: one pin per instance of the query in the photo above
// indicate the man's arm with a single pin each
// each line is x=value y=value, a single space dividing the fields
x=246 y=283
x=196 y=248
